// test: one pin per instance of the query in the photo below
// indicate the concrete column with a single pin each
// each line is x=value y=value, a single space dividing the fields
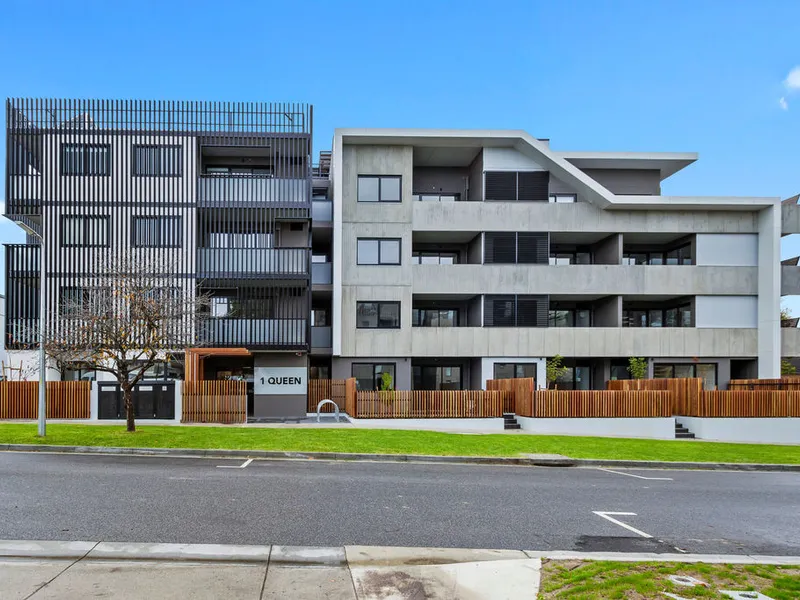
x=94 y=411
x=178 y=401
x=769 y=291
x=608 y=251
x=608 y=312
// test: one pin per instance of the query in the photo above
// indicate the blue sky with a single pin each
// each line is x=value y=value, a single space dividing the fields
x=666 y=75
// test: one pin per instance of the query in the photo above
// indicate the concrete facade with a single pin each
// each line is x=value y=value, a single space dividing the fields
x=729 y=282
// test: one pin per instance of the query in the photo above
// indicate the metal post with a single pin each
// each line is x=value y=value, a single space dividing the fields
x=42 y=358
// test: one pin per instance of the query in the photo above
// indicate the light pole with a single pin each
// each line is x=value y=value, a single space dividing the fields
x=42 y=319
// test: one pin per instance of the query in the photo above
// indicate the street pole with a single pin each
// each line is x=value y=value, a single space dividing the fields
x=42 y=358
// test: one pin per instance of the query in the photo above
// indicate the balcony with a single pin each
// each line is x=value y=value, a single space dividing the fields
x=790 y=341
x=321 y=274
x=436 y=197
x=321 y=337
x=24 y=195
x=252 y=263
x=589 y=342
x=322 y=211
x=260 y=333
x=248 y=191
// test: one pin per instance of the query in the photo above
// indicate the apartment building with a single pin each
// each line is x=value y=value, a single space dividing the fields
x=461 y=256
x=220 y=192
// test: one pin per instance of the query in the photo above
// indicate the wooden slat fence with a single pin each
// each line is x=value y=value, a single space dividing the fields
x=212 y=401
x=65 y=399
x=350 y=397
x=422 y=404
x=747 y=403
x=788 y=384
x=601 y=403
x=683 y=391
x=320 y=389
x=520 y=392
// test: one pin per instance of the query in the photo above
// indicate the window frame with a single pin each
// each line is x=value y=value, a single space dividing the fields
x=159 y=231
x=417 y=319
x=672 y=366
x=379 y=305
x=84 y=234
x=558 y=198
x=375 y=386
x=160 y=147
x=380 y=179
x=380 y=252
x=84 y=151
x=514 y=366
x=422 y=368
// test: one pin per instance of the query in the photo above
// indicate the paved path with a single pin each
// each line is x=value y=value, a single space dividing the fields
x=320 y=503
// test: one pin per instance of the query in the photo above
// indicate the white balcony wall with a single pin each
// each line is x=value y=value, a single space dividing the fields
x=726 y=311
x=727 y=249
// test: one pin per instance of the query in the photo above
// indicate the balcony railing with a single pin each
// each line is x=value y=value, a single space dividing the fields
x=322 y=210
x=266 y=333
x=321 y=337
x=241 y=189
x=436 y=197
x=321 y=274
x=255 y=262
x=24 y=195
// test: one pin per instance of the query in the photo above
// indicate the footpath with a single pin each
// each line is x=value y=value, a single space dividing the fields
x=40 y=570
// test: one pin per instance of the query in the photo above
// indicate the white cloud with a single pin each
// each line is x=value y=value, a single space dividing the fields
x=783 y=104
x=792 y=81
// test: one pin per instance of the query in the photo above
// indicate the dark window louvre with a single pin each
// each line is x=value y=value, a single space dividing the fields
x=500 y=247
x=501 y=185
x=515 y=311
x=534 y=186
x=533 y=248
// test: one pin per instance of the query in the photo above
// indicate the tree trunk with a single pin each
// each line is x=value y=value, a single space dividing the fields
x=127 y=396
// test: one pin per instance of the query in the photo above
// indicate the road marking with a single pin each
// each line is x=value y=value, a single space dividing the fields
x=242 y=466
x=637 y=476
x=605 y=515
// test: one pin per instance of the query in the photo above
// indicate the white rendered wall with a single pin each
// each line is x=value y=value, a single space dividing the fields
x=508 y=159
x=766 y=430
x=726 y=312
x=493 y=424
x=727 y=249
x=657 y=428
x=487 y=368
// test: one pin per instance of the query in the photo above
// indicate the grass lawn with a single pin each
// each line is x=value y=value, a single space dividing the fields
x=384 y=441
x=603 y=580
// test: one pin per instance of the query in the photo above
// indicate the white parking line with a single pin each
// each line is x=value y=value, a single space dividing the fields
x=242 y=466
x=637 y=476
x=605 y=515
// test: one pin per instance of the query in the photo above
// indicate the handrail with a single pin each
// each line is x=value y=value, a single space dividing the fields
x=328 y=401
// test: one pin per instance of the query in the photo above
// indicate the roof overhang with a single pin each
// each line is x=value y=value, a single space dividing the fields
x=667 y=163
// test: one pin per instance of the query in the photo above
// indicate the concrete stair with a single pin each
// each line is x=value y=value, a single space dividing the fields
x=510 y=421
x=682 y=433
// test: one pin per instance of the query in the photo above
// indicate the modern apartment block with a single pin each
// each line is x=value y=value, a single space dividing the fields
x=461 y=256
x=220 y=192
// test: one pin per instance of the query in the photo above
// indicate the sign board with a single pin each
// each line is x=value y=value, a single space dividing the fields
x=280 y=381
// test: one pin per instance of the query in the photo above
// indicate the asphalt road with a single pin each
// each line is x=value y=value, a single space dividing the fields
x=321 y=503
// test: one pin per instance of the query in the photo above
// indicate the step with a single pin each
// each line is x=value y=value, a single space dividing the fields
x=512 y=426
x=681 y=430
x=684 y=436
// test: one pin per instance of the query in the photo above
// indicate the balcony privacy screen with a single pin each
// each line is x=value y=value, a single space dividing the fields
x=515 y=311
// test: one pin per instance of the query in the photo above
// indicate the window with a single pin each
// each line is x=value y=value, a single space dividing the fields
x=434 y=317
x=164 y=161
x=562 y=198
x=436 y=377
x=221 y=306
x=576 y=377
x=76 y=301
x=521 y=186
x=319 y=317
x=434 y=258
x=570 y=257
x=377 y=315
x=385 y=188
x=436 y=197
x=670 y=316
x=514 y=370
x=85 y=159
x=619 y=370
x=515 y=311
x=238 y=171
x=84 y=231
x=680 y=255
x=368 y=375
x=706 y=371
x=157 y=232
x=569 y=317
x=78 y=371
x=501 y=247
x=384 y=251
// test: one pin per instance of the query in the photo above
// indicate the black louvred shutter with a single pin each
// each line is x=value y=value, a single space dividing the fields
x=501 y=185
x=532 y=311
x=500 y=247
x=498 y=311
x=534 y=186
x=533 y=248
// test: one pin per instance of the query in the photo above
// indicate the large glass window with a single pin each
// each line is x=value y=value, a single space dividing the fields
x=377 y=315
x=706 y=371
x=368 y=375
x=85 y=159
x=157 y=232
x=385 y=251
x=436 y=377
x=164 y=161
x=576 y=377
x=514 y=370
x=681 y=255
x=569 y=317
x=84 y=231
x=384 y=188
x=434 y=258
x=434 y=317
x=676 y=316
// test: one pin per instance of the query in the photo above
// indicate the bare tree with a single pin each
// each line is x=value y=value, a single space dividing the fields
x=132 y=314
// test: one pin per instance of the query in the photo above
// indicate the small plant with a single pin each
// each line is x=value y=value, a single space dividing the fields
x=386 y=382
x=555 y=369
x=637 y=367
x=787 y=368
